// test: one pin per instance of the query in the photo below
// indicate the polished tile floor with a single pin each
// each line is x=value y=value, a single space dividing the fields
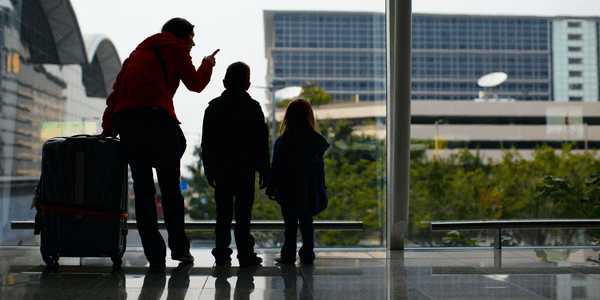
x=422 y=273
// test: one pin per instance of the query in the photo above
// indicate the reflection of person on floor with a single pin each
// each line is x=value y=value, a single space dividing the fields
x=154 y=286
x=222 y=286
x=290 y=277
x=245 y=282
x=179 y=281
x=243 y=287
x=154 y=283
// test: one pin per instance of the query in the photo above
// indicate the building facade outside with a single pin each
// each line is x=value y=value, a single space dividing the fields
x=54 y=82
x=545 y=58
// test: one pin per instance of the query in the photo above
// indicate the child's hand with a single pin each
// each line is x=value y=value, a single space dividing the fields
x=212 y=183
x=272 y=197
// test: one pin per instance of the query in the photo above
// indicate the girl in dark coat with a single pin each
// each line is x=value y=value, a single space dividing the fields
x=297 y=179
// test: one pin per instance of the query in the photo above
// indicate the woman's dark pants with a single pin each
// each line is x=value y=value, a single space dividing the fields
x=152 y=139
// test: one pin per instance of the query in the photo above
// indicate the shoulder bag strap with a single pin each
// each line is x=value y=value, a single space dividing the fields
x=162 y=65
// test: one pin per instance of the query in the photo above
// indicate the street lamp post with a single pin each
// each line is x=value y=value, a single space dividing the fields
x=437 y=134
x=275 y=85
x=585 y=133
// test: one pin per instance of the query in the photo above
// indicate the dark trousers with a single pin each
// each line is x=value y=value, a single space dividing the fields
x=151 y=138
x=234 y=193
x=294 y=211
x=145 y=211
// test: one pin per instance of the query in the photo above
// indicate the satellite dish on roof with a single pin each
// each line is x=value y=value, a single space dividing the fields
x=492 y=79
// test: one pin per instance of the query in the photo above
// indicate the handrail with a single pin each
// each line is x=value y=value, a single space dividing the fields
x=210 y=225
x=498 y=225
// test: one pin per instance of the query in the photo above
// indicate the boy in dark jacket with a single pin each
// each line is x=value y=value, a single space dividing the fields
x=235 y=144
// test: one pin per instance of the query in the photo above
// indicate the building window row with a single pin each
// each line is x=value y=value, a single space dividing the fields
x=471 y=96
x=529 y=45
x=575 y=73
x=473 y=87
x=575 y=86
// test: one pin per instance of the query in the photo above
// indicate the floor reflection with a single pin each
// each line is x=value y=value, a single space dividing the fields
x=154 y=283
x=372 y=274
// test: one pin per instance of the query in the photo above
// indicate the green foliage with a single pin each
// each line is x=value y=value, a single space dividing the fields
x=283 y=103
x=202 y=205
x=315 y=95
x=458 y=239
x=465 y=187
x=462 y=186
x=573 y=200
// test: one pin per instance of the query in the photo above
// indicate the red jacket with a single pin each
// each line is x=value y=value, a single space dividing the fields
x=141 y=81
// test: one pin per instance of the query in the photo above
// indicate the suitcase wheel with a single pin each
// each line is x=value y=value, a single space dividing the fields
x=51 y=260
x=117 y=261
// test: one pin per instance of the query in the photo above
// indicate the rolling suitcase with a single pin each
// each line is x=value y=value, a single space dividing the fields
x=82 y=199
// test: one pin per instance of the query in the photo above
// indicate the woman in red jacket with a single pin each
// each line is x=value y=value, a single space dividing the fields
x=140 y=109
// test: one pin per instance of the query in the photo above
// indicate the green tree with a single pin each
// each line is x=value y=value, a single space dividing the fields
x=202 y=205
x=315 y=95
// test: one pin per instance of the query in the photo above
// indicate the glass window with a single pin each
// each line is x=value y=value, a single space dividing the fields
x=574 y=37
x=576 y=86
x=572 y=24
x=575 y=61
x=575 y=73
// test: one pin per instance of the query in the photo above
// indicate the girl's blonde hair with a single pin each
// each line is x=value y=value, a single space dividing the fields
x=298 y=115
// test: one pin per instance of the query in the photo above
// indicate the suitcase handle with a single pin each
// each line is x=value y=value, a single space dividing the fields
x=87 y=136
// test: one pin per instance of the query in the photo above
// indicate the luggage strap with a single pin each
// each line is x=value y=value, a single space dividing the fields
x=84 y=210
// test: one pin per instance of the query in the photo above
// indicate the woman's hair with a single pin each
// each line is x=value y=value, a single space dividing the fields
x=298 y=115
x=178 y=27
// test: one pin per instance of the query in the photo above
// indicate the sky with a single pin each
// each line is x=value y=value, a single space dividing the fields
x=236 y=27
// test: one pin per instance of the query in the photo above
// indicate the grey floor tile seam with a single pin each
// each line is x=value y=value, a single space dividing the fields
x=206 y=281
x=310 y=288
x=522 y=289
x=510 y=283
x=413 y=287
x=586 y=274
x=379 y=260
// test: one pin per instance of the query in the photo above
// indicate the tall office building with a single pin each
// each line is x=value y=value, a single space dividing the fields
x=53 y=79
x=54 y=82
x=342 y=52
x=545 y=58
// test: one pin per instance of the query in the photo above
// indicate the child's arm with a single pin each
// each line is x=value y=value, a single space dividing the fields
x=264 y=157
x=275 y=171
